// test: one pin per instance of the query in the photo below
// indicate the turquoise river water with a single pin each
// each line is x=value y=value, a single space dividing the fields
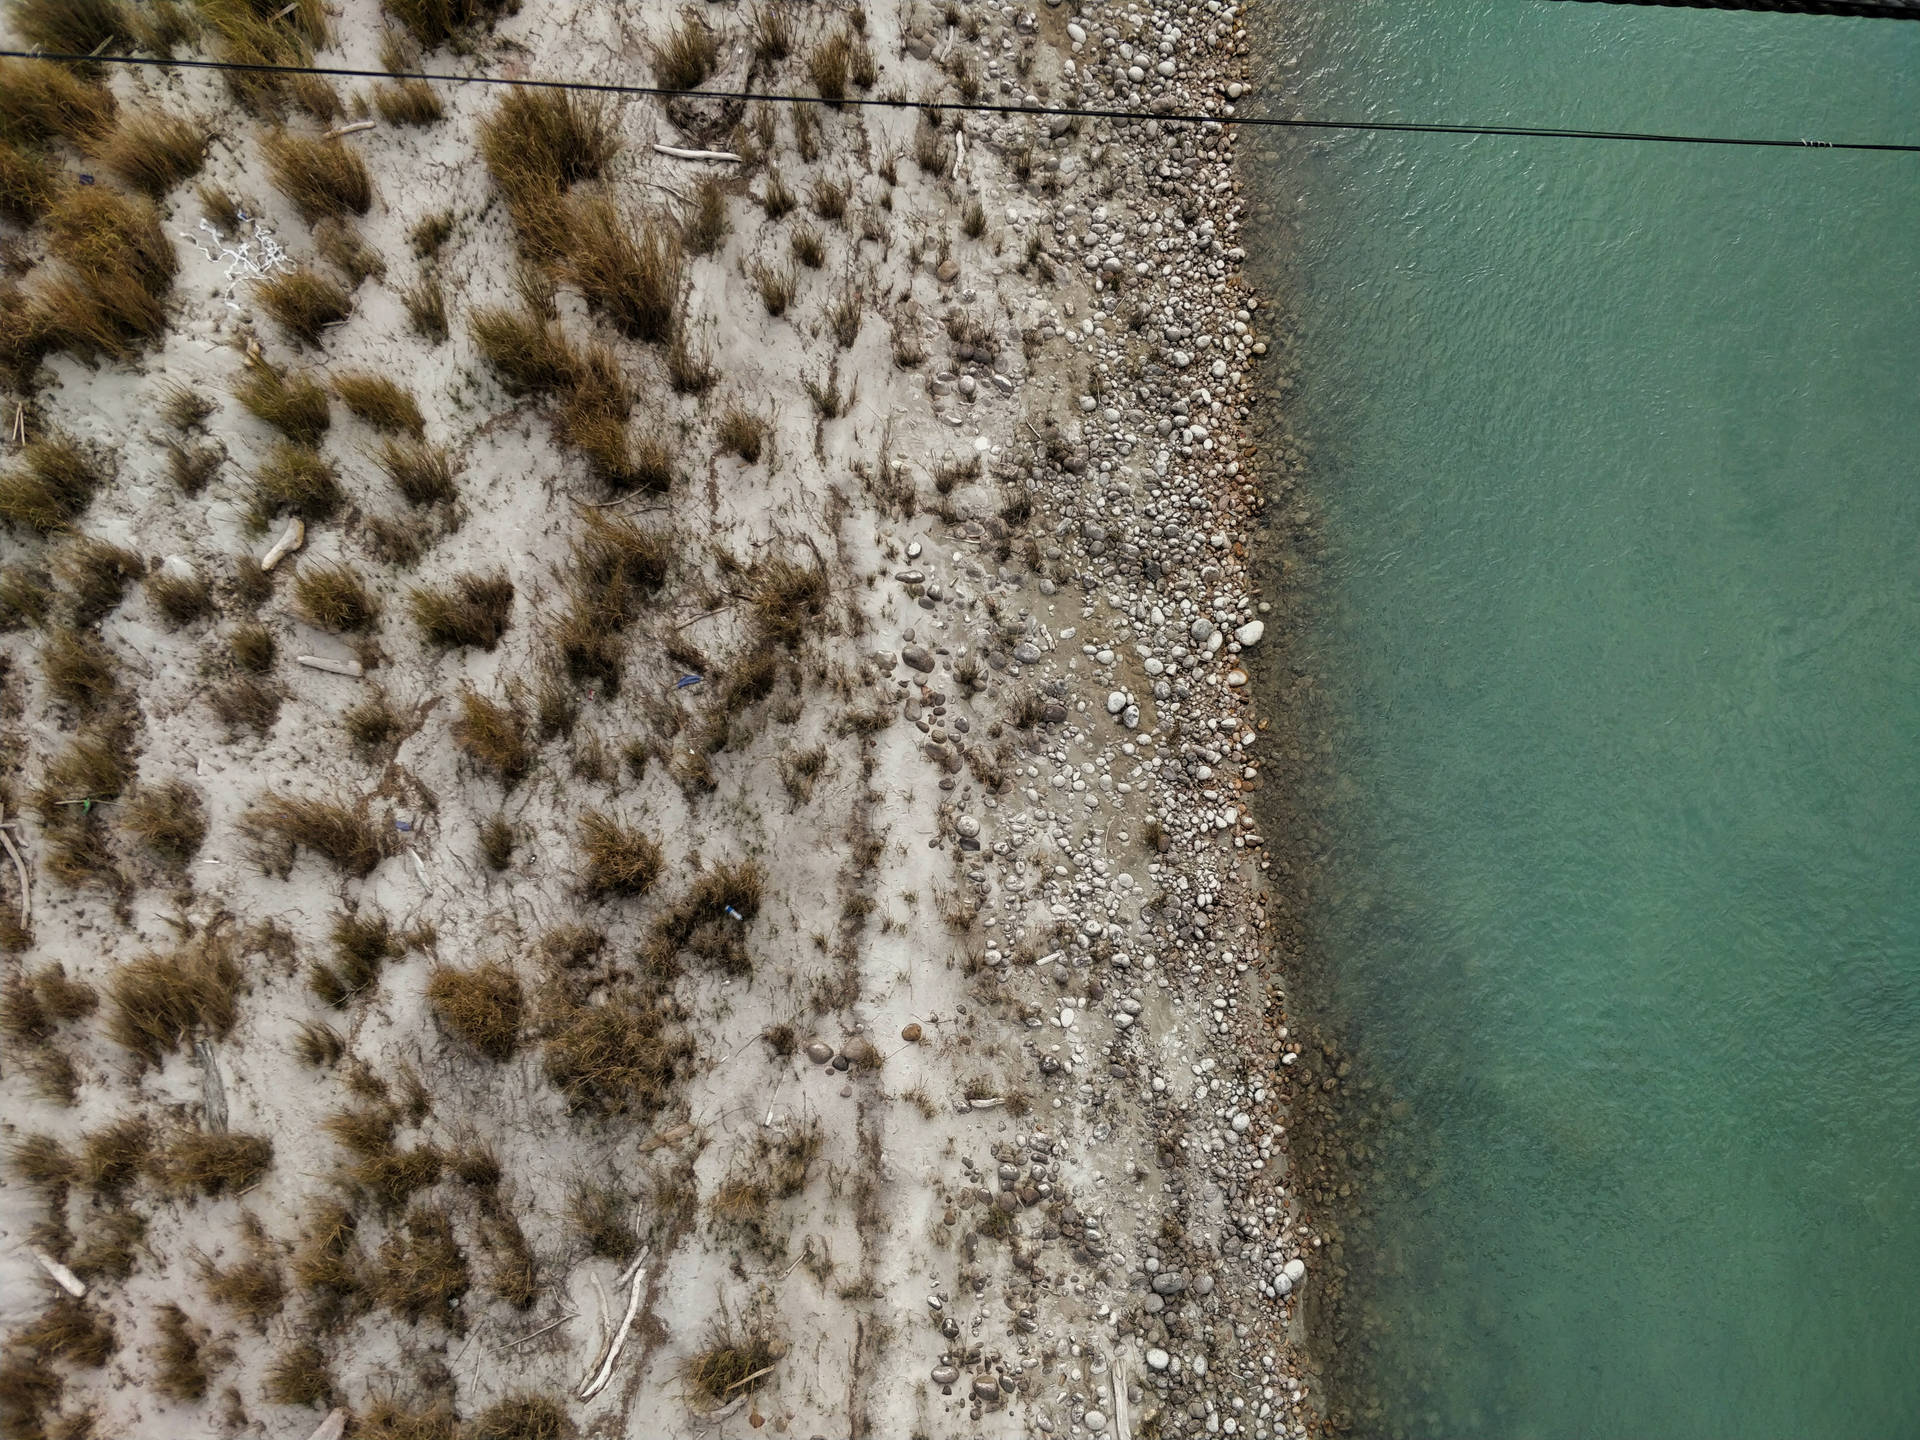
x=1618 y=452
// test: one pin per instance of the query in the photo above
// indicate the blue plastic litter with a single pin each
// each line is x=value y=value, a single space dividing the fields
x=736 y=915
x=685 y=680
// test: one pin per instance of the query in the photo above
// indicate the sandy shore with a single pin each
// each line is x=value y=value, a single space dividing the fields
x=801 y=958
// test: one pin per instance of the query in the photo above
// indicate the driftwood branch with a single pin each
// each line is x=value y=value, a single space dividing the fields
x=349 y=668
x=678 y=154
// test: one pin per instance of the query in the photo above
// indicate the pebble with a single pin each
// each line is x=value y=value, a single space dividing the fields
x=1094 y=1420
x=916 y=658
x=945 y=1375
x=910 y=1034
x=1158 y=1359
x=1116 y=701
x=1025 y=652
x=1250 y=633
x=819 y=1052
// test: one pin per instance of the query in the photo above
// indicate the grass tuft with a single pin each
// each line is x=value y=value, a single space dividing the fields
x=197 y=1163
x=686 y=55
x=777 y=198
x=50 y=483
x=293 y=404
x=470 y=609
x=715 y=1373
x=334 y=597
x=303 y=302
x=380 y=402
x=408 y=102
x=299 y=1375
x=494 y=735
x=73 y=27
x=603 y=1217
x=618 y=860
x=180 y=599
x=156 y=1002
x=630 y=275
x=423 y=1272
x=321 y=177
x=482 y=1006
x=95 y=575
x=153 y=153
x=426 y=307
x=344 y=835
x=168 y=818
x=706 y=225
x=787 y=597
x=79 y=670
x=422 y=473
x=180 y=1356
x=522 y=1416
x=741 y=432
x=41 y=102
x=612 y=1058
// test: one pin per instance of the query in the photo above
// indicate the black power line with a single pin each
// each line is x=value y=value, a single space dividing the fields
x=1171 y=117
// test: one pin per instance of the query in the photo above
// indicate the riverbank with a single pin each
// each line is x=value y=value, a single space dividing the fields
x=758 y=909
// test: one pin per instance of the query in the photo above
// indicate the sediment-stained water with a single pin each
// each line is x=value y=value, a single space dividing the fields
x=1618 y=448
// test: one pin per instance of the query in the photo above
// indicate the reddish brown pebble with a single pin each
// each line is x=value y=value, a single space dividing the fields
x=911 y=1034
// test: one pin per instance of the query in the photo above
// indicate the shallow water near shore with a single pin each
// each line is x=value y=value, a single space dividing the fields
x=1619 y=621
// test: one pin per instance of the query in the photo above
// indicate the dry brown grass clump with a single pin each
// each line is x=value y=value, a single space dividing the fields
x=328 y=1265
x=686 y=55
x=434 y=23
x=408 y=102
x=530 y=355
x=496 y=842
x=705 y=226
x=537 y=143
x=34 y=1006
x=426 y=306
x=788 y=599
x=50 y=482
x=72 y=27
x=26 y=597
x=321 y=177
x=631 y=275
x=482 y=1006
x=388 y=1419
x=95 y=575
x=319 y=1044
x=253 y=1289
x=70 y=1330
x=28 y=185
x=334 y=597
x=169 y=818
x=112 y=1157
x=603 y=1217
x=299 y=1375
x=469 y=609
x=79 y=670
x=154 y=152
x=423 y=1271
x=612 y=1058
x=494 y=735
x=776 y=284
x=422 y=473
x=618 y=860
x=180 y=1355
x=41 y=102
x=716 y=1373
x=522 y=1416
x=303 y=302
x=379 y=401
x=293 y=404
x=362 y=942
x=198 y=1163
x=101 y=231
x=344 y=835
x=157 y=1002
x=741 y=432
x=42 y=1162
x=180 y=599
